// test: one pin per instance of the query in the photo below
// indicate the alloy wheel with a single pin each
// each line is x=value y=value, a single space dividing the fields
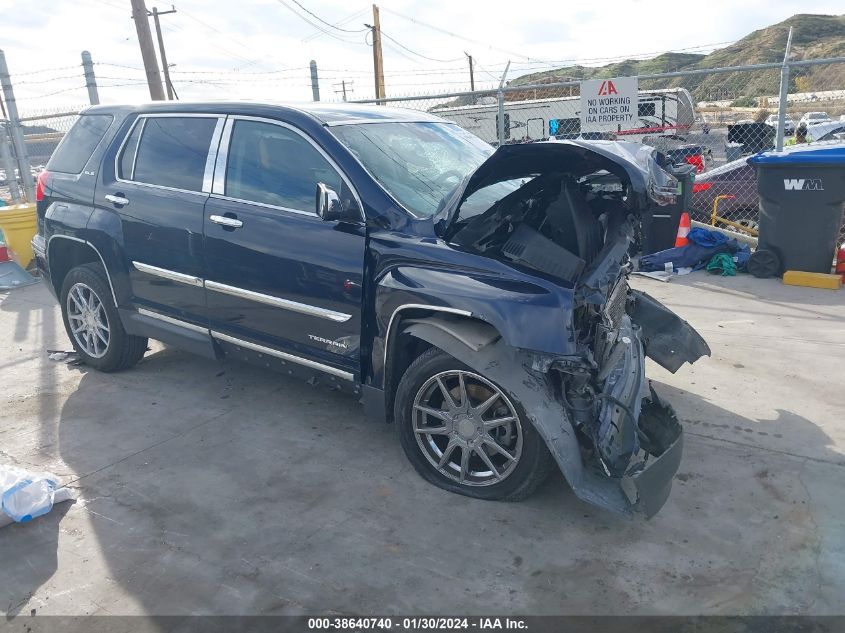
x=88 y=321
x=467 y=428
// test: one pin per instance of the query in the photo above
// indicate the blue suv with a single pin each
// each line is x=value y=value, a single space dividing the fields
x=478 y=300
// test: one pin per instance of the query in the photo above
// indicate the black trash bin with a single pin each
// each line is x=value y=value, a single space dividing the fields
x=660 y=225
x=802 y=196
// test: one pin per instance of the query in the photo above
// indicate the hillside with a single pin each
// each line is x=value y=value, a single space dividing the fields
x=814 y=36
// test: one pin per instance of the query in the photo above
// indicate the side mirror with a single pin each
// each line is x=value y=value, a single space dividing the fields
x=329 y=206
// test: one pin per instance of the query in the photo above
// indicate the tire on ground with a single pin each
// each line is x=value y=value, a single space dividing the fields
x=124 y=350
x=535 y=462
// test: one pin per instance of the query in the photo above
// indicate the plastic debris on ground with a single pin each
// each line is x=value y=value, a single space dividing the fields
x=26 y=495
x=71 y=357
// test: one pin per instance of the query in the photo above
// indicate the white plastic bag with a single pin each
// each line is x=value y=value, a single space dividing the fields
x=24 y=495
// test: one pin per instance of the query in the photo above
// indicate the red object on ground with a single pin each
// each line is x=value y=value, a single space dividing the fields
x=701 y=186
x=683 y=230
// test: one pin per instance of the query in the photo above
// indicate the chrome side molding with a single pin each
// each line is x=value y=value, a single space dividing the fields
x=278 y=302
x=172 y=275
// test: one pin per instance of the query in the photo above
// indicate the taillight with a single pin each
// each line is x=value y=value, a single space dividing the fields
x=697 y=160
x=39 y=186
x=701 y=186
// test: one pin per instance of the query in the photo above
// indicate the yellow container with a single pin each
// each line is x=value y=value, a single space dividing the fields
x=812 y=280
x=18 y=225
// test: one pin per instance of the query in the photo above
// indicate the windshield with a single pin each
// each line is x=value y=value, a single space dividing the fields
x=420 y=163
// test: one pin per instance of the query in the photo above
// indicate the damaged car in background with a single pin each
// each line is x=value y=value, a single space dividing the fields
x=478 y=300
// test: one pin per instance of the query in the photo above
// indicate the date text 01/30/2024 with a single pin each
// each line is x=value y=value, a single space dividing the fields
x=415 y=624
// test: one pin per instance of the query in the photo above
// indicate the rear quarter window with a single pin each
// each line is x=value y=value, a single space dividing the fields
x=79 y=144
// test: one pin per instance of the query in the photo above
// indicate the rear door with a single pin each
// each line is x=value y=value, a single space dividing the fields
x=157 y=190
x=280 y=280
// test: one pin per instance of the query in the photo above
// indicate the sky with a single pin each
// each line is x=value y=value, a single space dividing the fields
x=260 y=49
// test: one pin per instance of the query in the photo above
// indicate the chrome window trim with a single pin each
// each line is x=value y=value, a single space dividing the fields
x=173 y=321
x=210 y=159
x=219 y=189
x=94 y=248
x=165 y=115
x=137 y=145
x=218 y=185
x=278 y=302
x=172 y=275
x=409 y=306
x=265 y=205
x=283 y=355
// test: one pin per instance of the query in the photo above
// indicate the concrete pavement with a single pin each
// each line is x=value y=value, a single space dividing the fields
x=221 y=489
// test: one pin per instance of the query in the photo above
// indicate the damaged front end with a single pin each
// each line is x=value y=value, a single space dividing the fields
x=569 y=213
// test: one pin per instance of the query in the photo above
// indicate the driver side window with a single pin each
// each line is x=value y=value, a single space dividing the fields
x=274 y=165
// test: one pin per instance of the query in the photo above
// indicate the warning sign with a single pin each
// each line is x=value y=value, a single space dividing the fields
x=609 y=105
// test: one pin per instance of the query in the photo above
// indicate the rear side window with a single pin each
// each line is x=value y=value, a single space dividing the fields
x=77 y=146
x=172 y=151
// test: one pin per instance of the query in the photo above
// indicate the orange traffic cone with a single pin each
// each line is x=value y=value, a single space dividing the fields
x=683 y=230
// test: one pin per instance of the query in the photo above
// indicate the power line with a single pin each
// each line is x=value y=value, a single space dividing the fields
x=442 y=61
x=315 y=25
x=346 y=20
x=329 y=24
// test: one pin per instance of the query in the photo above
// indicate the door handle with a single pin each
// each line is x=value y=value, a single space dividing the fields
x=117 y=199
x=222 y=220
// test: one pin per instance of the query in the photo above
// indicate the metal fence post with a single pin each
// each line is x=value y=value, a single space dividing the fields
x=500 y=96
x=784 y=91
x=7 y=162
x=90 y=79
x=315 y=82
x=16 y=132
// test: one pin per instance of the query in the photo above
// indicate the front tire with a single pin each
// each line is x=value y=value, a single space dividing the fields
x=92 y=322
x=464 y=434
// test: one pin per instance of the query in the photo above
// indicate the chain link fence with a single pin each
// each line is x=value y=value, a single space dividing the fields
x=712 y=119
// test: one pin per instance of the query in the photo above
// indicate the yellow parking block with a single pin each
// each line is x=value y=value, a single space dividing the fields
x=18 y=225
x=812 y=280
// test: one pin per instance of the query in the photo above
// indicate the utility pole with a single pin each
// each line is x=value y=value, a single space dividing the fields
x=315 y=82
x=378 y=60
x=148 y=52
x=90 y=79
x=165 y=68
x=471 y=73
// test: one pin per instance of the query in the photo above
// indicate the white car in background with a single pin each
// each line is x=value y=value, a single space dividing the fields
x=788 y=123
x=814 y=117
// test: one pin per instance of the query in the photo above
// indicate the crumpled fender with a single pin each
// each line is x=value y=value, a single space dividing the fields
x=511 y=369
x=669 y=340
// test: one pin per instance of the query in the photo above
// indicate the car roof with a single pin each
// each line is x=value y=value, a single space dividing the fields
x=326 y=113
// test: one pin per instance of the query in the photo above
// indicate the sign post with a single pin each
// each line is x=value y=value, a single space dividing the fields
x=609 y=105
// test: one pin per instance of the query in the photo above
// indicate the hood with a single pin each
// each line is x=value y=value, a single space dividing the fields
x=638 y=165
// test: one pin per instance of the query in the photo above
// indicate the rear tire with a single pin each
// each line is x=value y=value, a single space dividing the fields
x=518 y=455
x=93 y=324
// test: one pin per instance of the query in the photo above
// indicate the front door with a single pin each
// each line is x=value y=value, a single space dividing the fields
x=158 y=190
x=277 y=277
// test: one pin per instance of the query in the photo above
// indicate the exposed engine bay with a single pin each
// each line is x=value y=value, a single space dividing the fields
x=576 y=226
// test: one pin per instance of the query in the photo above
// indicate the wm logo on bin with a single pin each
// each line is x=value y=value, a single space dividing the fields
x=803 y=184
